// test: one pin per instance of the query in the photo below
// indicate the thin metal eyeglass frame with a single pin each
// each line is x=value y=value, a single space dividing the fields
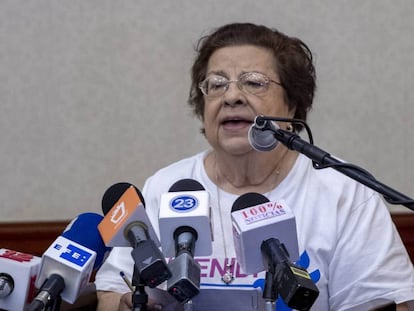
x=239 y=85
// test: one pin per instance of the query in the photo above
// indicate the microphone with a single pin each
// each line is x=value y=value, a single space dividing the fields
x=49 y=297
x=126 y=223
x=261 y=134
x=272 y=227
x=18 y=272
x=254 y=220
x=68 y=263
x=84 y=231
x=186 y=204
x=291 y=282
x=264 y=135
x=184 y=219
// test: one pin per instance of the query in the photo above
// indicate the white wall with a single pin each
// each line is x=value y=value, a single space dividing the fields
x=94 y=92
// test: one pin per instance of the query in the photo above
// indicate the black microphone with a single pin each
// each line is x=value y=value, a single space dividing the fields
x=126 y=223
x=69 y=262
x=49 y=293
x=264 y=135
x=261 y=134
x=293 y=283
x=256 y=219
x=187 y=229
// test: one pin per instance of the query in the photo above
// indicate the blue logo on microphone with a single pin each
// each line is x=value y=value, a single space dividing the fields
x=76 y=255
x=184 y=203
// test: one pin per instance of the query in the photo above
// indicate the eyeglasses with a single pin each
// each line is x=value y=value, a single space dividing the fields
x=250 y=82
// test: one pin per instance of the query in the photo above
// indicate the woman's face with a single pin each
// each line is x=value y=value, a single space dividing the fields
x=227 y=118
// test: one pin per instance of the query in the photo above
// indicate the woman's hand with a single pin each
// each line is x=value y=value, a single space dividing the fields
x=125 y=303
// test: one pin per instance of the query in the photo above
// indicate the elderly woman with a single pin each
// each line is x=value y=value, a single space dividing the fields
x=347 y=241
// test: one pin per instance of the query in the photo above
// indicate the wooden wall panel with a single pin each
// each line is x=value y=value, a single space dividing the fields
x=405 y=226
x=30 y=237
x=35 y=237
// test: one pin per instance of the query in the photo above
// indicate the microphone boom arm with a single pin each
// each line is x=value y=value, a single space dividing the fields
x=324 y=159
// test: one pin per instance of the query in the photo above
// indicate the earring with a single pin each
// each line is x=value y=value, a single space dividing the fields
x=290 y=128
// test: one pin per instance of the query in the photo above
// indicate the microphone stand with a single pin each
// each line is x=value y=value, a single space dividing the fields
x=139 y=295
x=270 y=289
x=188 y=305
x=323 y=159
x=291 y=282
x=53 y=305
x=49 y=298
x=185 y=282
x=150 y=268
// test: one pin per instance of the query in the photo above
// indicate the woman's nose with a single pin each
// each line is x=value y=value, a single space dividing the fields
x=234 y=95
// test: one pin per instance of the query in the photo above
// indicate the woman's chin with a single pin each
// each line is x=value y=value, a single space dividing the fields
x=236 y=147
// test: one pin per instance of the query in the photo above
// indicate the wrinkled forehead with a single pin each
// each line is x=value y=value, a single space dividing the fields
x=232 y=61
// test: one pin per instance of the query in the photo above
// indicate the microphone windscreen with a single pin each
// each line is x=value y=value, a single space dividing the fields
x=262 y=139
x=247 y=200
x=114 y=193
x=84 y=231
x=186 y=185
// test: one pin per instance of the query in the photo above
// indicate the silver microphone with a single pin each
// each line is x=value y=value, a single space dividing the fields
x=262 y=135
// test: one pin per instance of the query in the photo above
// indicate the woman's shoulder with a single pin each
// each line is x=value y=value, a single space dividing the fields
x=329 y=181
x=327 y=175
x=184 y=168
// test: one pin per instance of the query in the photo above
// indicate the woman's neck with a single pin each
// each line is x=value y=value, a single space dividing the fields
x=256 y=172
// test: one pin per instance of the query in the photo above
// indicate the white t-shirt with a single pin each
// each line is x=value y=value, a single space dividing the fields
x=347 y=242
